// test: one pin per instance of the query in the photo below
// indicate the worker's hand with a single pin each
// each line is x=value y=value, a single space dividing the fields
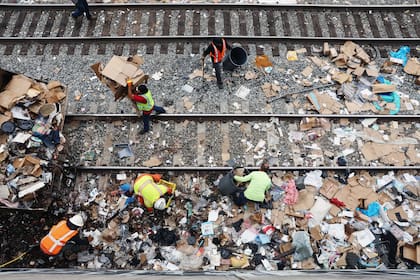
x=115 y=192
x=129 y=82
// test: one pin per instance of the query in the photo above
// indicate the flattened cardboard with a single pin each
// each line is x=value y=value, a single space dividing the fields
x=392 y=213
x=116 y=72
x=412 y=67
x=383 y=88
x=412 y=252
x=119 y=69
x=19 y=84
x=316 y=232
x=329 y=188
x=9 y=98
x=306 y=199
x=323 y=103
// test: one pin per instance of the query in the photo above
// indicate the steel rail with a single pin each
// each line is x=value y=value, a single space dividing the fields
x=227 y=168
x=212 y=6
x=70 y=117
x=204 y=38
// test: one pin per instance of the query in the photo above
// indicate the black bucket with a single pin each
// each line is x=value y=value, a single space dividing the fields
x=235 y=58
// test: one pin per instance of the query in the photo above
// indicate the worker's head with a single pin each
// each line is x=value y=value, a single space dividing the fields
x=218 y=41
x=77 y=220
x=141 y=89
x=160 y=204
x=265 y=166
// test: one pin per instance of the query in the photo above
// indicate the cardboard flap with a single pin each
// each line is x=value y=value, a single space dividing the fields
x=119 y=69
x=19 y=84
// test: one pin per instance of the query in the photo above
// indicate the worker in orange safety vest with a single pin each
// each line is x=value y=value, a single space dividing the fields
x=61 y=233
x=217 y=50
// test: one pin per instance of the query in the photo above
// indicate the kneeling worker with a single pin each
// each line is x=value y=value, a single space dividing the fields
x=66 y=231
x=150 y=193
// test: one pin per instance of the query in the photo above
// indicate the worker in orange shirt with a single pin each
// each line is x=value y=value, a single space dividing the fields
x=63 y=234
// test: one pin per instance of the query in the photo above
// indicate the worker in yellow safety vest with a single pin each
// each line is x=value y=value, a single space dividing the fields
x=149 y=192
x=61 y=233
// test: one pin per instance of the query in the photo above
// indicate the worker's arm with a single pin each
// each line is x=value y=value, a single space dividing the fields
x=129 y=88
x=243 y=178
x=136 y=98
x=156 y=177
x=207 y=51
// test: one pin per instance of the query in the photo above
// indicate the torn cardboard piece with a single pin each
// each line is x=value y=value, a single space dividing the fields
x=116 y=72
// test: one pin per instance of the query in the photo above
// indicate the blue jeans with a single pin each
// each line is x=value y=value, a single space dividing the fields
x=81 y=7
x=146 y=118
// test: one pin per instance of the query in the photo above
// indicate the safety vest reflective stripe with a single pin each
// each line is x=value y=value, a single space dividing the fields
x=149 y=182
x=149 y=102
x=218 y=55
x=59 y=242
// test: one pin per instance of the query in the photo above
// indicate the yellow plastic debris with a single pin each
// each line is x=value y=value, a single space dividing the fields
x=292 y=56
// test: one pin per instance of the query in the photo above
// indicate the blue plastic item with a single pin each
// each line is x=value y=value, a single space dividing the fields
x=372 y=210
x=402 y=54
x=391 y=97
x=130 y=200
x=10 y=169
x=262 y=238
x=125 y=187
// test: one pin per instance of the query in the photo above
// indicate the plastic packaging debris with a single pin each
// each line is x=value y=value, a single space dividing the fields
x=242 y=92
x=187 y=88
x=392 y=97
x=291 y=56
x=302 y=245
x=314 y=178
x=372 y=210
x=207 y=228
x=400 y=56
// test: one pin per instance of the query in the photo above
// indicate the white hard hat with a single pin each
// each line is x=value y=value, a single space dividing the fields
x=160 y=204
x=77 y=220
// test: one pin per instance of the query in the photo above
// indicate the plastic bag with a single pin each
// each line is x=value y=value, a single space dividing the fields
x=388 y=97
x=372 y=210
x=302 y=245
x=401 y=54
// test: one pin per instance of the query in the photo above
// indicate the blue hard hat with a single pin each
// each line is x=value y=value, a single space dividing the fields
x=125 y=187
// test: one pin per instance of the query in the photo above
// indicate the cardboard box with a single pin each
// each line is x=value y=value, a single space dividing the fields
x=116 y=72
x=412 y=252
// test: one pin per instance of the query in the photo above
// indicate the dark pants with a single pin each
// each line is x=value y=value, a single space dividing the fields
x=146 y=117
x=218 y=68
x=81 y=7
x=240 y=200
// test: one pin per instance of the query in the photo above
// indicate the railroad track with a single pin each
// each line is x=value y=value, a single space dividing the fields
x=184 y=28
x=200 y=142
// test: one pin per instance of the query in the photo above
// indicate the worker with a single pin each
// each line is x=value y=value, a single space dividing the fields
x=217 y=50
x=259 y=183
x=144 y=102
x=64 y=234
x=148 y=190
x=82 y=7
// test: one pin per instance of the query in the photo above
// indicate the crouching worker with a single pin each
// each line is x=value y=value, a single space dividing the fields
x=259 y=183
x=227 y=185
x=148 y=191
x=64 y=238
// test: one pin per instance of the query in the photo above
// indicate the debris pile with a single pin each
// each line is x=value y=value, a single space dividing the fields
x=31 y=119
x=317 y=220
